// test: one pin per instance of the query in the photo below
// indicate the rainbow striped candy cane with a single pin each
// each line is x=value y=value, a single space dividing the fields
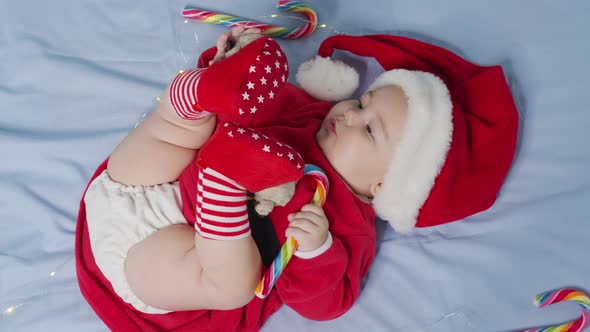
x=267 y=29
x=280 y=262
x=565 y=294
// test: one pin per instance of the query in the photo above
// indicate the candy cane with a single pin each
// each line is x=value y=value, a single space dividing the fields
x=566 y=294
x=280 y=262
x=267 y=29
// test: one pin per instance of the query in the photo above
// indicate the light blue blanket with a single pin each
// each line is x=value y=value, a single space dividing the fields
x=76 y=76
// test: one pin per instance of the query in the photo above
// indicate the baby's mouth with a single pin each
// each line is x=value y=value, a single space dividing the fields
x=332 y=126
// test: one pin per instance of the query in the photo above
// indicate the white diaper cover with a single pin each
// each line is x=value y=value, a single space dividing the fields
x=118 y=217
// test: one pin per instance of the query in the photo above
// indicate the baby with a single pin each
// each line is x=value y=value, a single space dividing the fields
x=167 y=215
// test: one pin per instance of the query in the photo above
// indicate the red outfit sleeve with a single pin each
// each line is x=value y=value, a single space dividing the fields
x=326 y=286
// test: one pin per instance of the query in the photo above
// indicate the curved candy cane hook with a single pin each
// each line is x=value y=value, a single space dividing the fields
x=267 y=29
x=288 y=249
x=560 y=295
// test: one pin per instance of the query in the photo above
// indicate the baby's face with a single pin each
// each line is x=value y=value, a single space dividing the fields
x=359 y=137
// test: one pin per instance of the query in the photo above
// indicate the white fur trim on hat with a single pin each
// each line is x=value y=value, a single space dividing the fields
x=422 y=150
x=326 y=79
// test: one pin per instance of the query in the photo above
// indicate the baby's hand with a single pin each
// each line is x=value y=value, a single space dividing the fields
x=309 y=227
x=228 y=40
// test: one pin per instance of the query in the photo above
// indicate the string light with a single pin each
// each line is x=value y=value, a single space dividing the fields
x=11 y=310
x=303 y=20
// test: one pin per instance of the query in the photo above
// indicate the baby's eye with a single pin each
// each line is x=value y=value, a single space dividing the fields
x=369 y=131
x=360 y=104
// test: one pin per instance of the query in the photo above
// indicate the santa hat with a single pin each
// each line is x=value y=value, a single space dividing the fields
x=460 y=135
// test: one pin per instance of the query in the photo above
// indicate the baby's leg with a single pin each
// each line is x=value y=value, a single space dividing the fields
x=160 y=148
x=174 y=268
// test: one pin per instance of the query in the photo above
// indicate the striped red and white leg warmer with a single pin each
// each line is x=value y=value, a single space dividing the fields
x=183 y=95
x=222 y=212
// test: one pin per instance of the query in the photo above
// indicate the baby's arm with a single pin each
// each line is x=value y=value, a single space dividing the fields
x=326 y=286
x=324 y=283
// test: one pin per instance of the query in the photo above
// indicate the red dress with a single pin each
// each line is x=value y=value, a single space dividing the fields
x=319 y=288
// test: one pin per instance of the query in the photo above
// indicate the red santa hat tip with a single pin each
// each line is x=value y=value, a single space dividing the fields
x=326 y=79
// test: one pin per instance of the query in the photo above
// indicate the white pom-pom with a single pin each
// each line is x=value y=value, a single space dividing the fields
x=328 y=80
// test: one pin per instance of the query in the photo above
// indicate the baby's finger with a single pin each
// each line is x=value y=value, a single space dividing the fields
x=252 y=31
x=304 y=225
x=296 y=233
x=311 y=216
x=222 y=41
x=221 y=47
x=313 y=208
x=236 y=31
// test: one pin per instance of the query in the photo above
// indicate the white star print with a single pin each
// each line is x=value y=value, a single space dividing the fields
x=263 y=80
x=260 y=99
x=241 y=112
x=279 y=144
x=266 y=148
x=265 y=44
x=246 y=96
x=226 y=124
x=255 y=136
x=253 y=110
x=265 y=136
x=250 y=85
x=231 y=134
x=275 y=83
x=298 y=165
x=252 y=69
x=272 y=95
x=277 y=64
x=279 y=53
x=286 y=66
x=283 y=78
x=241 y=130
x=258 y=58
x=266 y=52
x=290 y=155
x=279 y=154
x=268 y=69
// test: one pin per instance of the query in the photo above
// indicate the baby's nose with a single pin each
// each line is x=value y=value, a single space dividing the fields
x=349 y=117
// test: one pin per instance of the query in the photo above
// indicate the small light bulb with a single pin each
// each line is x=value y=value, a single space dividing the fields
x=9 y=311
x=322 y=25
x=274 y=15
x=181 y=71
x=185 y=21
x=158 y=98
x=52 y=274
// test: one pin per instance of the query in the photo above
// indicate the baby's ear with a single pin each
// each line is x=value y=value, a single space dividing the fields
x=374 y=189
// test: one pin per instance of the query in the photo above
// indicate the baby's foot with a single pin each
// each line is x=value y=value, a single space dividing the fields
x=252 y=159
x=240 y=85
x=236 y=160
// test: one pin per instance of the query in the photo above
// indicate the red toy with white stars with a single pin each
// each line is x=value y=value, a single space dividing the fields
x=236 y=159
x=240 y=86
